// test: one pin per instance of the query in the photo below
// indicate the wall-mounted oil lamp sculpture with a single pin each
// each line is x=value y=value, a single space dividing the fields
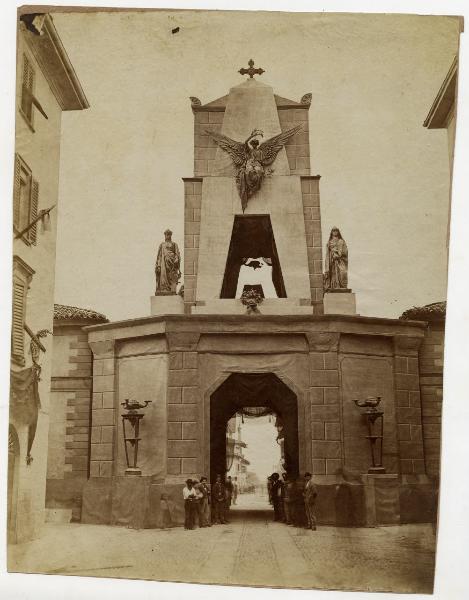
x=131 y=433
x=374 y=422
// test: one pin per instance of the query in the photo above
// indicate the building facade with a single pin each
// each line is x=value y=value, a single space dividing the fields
x=46 y=85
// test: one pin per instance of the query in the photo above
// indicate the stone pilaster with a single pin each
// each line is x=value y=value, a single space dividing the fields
x=298 y=148
x=431 y=389
x=183 y=398
x=104 y=417
x=204 y=146
x=408 y=404
x=192 y=207
x=325 y=408
x=312 y=217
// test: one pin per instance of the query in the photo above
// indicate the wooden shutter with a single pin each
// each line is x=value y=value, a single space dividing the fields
x=32 y=234
x=16 y=193
x=17 y=328
x=27 y=89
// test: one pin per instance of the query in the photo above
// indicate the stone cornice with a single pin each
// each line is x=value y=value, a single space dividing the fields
x=254 y=324
x=55 y=64
x=443 y=104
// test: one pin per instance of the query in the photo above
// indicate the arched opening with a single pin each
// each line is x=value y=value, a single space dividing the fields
x=13 y=474
x=261 y=393
x=253 y=260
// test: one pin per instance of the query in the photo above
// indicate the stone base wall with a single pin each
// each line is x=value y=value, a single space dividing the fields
x=328 y=363
x=69 y=430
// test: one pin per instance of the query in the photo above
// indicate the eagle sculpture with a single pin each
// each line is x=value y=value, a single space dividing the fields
x=251 y=159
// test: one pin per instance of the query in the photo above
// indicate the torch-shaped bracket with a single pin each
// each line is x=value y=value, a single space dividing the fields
x=375 y=422
x=131 y=433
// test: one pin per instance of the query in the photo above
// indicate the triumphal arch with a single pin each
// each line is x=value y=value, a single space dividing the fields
x=221 y=345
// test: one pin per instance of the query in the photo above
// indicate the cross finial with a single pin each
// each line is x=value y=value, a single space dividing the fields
x=251 y=71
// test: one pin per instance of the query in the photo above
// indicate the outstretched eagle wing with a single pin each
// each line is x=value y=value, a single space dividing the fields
x=235 y=149
x=270 y=148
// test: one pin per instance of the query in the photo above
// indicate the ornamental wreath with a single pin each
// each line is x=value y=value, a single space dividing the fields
x=251 y=298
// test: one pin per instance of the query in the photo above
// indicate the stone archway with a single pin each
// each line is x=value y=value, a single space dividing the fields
x=241 y=390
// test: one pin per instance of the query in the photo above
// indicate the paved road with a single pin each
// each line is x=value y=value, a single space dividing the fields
x=250 y=550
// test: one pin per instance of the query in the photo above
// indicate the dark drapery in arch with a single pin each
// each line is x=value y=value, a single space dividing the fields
x=252 y=237
x=252 y=389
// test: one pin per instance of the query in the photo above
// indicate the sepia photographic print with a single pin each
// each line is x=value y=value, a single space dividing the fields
x=230 y=250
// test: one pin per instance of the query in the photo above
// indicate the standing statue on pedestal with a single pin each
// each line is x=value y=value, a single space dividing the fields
x=167 y=267
x=336 y=274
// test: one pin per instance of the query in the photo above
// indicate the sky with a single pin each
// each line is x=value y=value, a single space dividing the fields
x=262 y=450
x=384 y=177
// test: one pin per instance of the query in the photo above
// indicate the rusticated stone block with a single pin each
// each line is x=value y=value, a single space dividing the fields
x=108 y=399
x=325 y=449
x=192 y=201
x=189 y=431
x=416 y=433
x=105 y=468
x=79 y=463
x=102 y=416
x=107 y=435
x=333 y=431
x=406 y=466
x=94 y=468
x=333 y=466
x=318 y=466
x=174 y=395
x=189 y=465
x=404 y=432
x=419 y=466
x=175 y=360
x=432 y=431
x=317 y=430
x=101 y=451
x=324 y=378
x=316 y=361
x=174 y=466
x=408 y=415
x=410 y=449
x=103 y=383
x=406 y=382
x=400 y=364
x=190 y=360
x=182 y=448
x=182 y=412
x=174 y=431
x=316 y=395
x=190 y=395
x=402 y=398
x=331 y=361
x=331 y=395
x=325 y=413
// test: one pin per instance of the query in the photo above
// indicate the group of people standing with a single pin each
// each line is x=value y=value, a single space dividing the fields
x=293 y=499
x=206 y=505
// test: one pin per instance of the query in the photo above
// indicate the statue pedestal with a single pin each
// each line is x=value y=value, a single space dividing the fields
x=340 y=302
x=171 y=304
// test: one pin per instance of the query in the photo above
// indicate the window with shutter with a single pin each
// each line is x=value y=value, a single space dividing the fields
x=32 y=233
x=25 y=200
x=17 y=193
x=27 y=89
x=22 y=275
x=17 y=328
